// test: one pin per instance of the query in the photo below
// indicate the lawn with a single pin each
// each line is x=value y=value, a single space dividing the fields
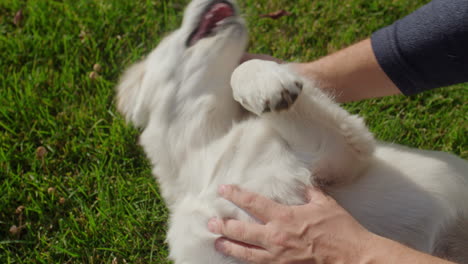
x=74 y=185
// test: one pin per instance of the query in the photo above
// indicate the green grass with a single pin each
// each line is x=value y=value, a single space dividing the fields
x=91 y=198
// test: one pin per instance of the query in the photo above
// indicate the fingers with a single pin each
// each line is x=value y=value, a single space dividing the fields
x=249 y=233
x=242 y=252
x=256 y=205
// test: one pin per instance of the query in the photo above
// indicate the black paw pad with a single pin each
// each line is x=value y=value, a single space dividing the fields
x=299 y=85
x=267 y=108
x=287 y=99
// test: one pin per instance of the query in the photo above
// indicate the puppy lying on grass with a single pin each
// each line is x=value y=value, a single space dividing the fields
x=207 y=121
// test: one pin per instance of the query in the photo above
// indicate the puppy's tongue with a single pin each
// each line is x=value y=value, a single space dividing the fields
x=217 y=13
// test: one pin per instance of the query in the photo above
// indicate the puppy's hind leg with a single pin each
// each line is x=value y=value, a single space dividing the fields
x=336 y=143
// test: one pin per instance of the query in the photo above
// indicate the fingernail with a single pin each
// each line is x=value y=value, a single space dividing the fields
x=223 y=190
x=219 y=245
x=213 y=225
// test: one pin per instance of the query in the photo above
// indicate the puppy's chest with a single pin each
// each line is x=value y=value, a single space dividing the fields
x=252 y=156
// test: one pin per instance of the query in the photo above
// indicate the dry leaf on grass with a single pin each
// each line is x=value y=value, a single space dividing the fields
x=18 y=18
x=276 y=15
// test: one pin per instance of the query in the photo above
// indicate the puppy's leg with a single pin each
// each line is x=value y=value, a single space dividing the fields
x=337 y=144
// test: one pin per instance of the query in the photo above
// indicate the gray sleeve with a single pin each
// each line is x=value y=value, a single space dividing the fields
x=427 y=49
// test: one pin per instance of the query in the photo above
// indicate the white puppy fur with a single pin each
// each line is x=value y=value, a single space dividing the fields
x=190 y=100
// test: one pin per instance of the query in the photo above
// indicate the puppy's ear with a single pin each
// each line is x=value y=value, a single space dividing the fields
x=129 y=97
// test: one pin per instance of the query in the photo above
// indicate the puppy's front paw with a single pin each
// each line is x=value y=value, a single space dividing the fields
x=265 y=86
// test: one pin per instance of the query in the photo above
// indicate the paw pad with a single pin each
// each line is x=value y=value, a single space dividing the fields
x=286 y=100
x=299 y=85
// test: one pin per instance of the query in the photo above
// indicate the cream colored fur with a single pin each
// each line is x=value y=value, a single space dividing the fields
x=190 y=103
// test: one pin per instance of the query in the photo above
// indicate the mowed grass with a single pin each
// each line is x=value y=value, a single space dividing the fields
x=73 y=181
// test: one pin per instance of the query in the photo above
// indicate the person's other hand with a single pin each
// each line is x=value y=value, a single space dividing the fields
x=320 y=231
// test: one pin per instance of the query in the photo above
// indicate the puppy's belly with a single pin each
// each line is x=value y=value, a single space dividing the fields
x=252 y=156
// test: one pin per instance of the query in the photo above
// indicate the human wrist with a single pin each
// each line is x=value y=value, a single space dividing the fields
x=381 y=250
x=369 y=250
x=376 y=250
x=318 y=72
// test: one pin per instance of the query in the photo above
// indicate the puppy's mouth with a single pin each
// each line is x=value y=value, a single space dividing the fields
x=210 y=19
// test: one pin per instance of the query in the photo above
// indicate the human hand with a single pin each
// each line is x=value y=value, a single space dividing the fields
x=320 y=231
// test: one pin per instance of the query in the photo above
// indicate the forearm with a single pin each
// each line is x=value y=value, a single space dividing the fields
x=425 y=50
x=350 y=74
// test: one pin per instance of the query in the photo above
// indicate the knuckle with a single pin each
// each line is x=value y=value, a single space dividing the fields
x=248 y=255
x=279 y=238
x=227 y=250
x=221 y=226
x=285 y=215
x=234 y=189
x=239 y=232
x=264 y=260
x=249 y=201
